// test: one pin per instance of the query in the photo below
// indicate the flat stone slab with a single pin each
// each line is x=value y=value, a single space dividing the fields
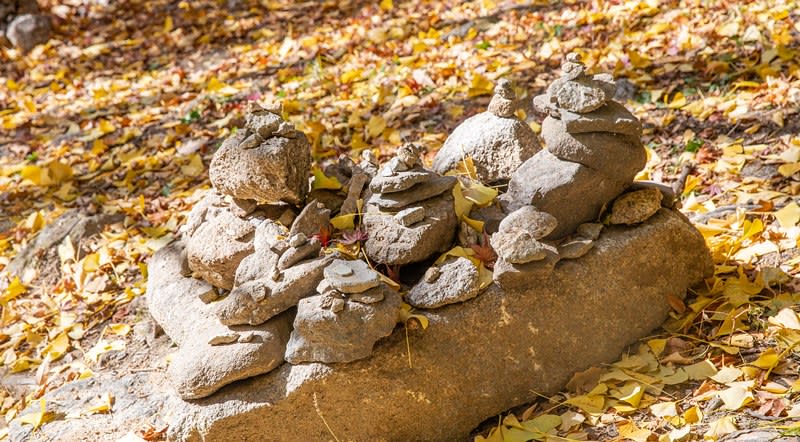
x=517 y=342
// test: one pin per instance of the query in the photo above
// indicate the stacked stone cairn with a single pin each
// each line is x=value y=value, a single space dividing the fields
x=411 y=214
x=251 y=284
x=593 y=152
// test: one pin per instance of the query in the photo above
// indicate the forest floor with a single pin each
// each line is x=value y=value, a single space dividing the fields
x=121 y=111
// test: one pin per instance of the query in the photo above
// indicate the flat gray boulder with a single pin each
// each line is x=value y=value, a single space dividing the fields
x=455 y=280
x=218 y=245
x=497 y=145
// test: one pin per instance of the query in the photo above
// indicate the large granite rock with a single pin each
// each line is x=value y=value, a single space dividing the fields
x=579 y=316
x=546 y=336
x=201 y=366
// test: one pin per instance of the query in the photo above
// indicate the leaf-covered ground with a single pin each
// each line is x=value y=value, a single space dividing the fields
x=121 y=111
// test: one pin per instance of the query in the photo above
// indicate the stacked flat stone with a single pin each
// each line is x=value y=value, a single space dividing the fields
x=351 y=311
x=410 y=215
x=593 y=151
x=497 y=141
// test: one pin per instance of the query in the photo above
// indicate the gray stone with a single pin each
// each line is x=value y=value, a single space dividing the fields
x=420 y=192
x=518 y=247
x=371 y=296
x=496 y=145
x=635 y=207
x=607 y=83
x=571 y=192
x=198 y=369
x=313 y=218
x=210 y=205
x=351 y=276
x=410 y=216
x=457 y=282
x=255 y=301
x=613 y=117
x=322 y=335
x=227 y=338
x=355 y=187
x=578 y=95
x=294 y=255
x=298 y=239
x=510 y=276
x=400 y=181
x=387 y=398
x=27 y=31
x=618 y=156
x=531 y=220
x=668 y=197
x=275 y=170
x=589 y=230
x=391 y=243
x=575 y=249
x=218 y=246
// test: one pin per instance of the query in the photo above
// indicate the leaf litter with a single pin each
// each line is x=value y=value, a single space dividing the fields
x=121 y=111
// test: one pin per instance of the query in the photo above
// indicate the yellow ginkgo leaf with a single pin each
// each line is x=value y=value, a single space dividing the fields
x=37 y=418
x=57 y=347
x=322 y=181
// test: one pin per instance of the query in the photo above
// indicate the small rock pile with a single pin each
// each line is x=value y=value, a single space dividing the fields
x=352 y=310
x=497 y=141
x=411 y=215
x=593 y=151
x=22 y=24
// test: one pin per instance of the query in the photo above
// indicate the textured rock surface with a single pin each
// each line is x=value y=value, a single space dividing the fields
x=275 y=170
x=438 y=185
x=351 y=276
x=392 y=243
x=618 y=156
x=383 y=398
x=199 y=369
x=457 y=281
x=571 y=192
x=497 y=146
x=321 y=334
x=217 y=247
x=258 y=300
x=635 y=207
x=613 y=117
